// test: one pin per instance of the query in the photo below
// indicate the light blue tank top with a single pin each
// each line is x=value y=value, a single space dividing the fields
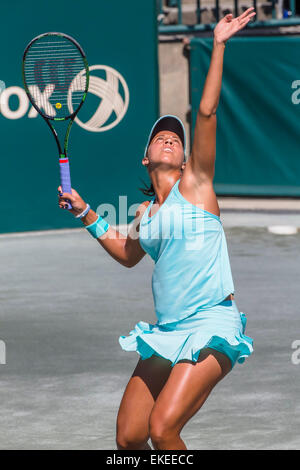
x=192 y=268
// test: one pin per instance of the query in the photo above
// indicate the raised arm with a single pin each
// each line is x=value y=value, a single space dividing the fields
x=202 y=160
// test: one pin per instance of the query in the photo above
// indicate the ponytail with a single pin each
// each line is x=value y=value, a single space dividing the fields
x=148 y=190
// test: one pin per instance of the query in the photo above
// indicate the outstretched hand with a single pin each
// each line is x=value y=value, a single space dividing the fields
x=228 y=26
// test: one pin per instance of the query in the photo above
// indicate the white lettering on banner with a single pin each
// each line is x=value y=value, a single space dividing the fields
x=42 y=100
x=4 y=102
x=296 y=95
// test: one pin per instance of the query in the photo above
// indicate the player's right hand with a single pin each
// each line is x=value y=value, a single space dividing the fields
x=78 y=204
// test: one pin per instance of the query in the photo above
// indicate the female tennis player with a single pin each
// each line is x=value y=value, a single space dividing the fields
x=199 y=334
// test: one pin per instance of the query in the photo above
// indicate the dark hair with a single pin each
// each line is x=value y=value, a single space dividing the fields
x=148 y=190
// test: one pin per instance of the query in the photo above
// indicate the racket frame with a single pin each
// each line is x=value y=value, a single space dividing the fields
x=63 y=156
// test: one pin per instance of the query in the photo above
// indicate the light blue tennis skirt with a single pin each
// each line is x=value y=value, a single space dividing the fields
x=220 y=327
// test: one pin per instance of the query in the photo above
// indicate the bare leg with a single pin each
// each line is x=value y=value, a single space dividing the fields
x=148 y=379
x=186 y=390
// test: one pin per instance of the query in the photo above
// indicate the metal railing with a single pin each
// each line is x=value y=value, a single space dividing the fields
x=287 y=17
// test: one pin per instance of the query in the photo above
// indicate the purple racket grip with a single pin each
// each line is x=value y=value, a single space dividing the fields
x=65 y=177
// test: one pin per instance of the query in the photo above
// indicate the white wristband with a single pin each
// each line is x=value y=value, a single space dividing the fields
x=83 y=213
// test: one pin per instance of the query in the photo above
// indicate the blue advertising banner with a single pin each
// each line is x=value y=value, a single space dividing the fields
x=107 y=139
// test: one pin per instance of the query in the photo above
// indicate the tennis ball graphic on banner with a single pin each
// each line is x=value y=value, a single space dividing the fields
x=109 y=92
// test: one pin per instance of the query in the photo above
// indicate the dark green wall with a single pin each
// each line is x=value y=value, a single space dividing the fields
x=258 y=114
x=104 y=165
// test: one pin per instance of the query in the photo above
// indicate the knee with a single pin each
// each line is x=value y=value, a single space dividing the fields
x=157 y=437
x=161 y=432
x=129 y=440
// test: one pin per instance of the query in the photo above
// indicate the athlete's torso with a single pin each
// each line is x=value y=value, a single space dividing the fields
x=188 y=245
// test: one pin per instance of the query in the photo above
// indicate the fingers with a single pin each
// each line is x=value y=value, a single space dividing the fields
x=241 y=20
x=67 y=196
x=248 y=14
x=63 y=205
x=63 y=198
x=244 y=19
x=63 y=202
x=63 y=195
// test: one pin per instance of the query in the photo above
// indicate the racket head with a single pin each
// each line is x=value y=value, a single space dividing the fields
x=55 y=75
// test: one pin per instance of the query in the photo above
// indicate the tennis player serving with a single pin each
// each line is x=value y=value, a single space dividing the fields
x=199 y=334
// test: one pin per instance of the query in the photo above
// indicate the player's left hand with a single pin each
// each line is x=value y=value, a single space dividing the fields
x=228 y=26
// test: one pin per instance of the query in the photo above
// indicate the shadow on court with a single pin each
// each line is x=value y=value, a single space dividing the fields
x=65 y=302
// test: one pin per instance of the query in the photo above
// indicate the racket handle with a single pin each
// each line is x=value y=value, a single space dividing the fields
x=65 y=177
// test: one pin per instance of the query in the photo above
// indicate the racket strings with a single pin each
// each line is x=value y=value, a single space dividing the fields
x=52 y=69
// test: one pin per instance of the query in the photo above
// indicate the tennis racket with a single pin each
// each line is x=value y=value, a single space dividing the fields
x=56 y=80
